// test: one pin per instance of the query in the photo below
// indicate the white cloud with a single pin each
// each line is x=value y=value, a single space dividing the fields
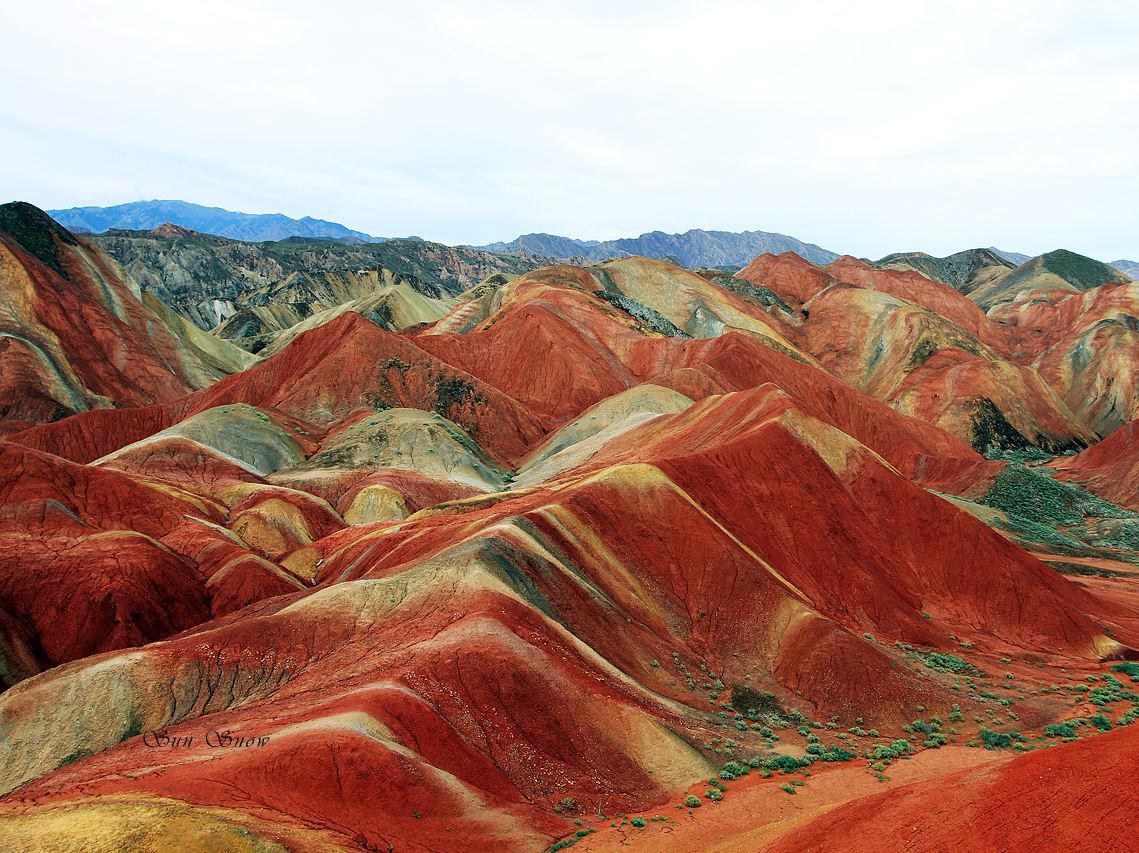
x=866 y=127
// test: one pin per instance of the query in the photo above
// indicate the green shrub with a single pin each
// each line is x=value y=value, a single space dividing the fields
x=836 y=753
x=1101 y=722
x=790 y=789
x=786 y=763
x=1033 y=495
x=888 y=752
x=1128 y=667
x=1064 y=730
x=998 y=740
x=638 y=822
x=734 y=770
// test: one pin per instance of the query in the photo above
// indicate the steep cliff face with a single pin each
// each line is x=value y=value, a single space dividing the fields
x=209 y=279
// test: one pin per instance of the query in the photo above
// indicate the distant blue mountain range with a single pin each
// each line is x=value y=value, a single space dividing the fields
x=694 y=248
x=252 y=227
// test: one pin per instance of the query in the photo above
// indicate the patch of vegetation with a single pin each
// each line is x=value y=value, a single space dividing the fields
x=921 y=354
x=1038 y=498
x=746 y=698
x=999 y=740
x=1019 y=455
x=1112 y=690
x=382 y=316
x=990 y=428
x=1082 y=272
x=396 y=363
x=454 y=392
x=1101 y=722
x=646 y=316
x=942 y=661
x=1061 y=730
x=1080 y=570
x=1031 y=532
x=741 y=287
x=567 y=804
x=692 y=802
x=35 y=232
x=890 y=751
x=1127 y=667
x=786 y=763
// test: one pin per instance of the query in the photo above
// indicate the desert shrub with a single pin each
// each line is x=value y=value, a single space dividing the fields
x=998 y=740
x=888 y=752
x=692 y=802
x=836 y=753
x=786 y=763
x=1128 y=667
x=638 y=822
x=1101 y=722
x=734 y=770
x=945 y=662
x=1111 y=691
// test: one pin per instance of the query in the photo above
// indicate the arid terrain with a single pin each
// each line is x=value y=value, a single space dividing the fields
x=399 y=546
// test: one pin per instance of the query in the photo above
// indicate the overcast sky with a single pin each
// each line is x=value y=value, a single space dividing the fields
x=866 y=127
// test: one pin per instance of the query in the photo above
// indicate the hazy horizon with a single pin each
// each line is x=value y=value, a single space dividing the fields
x=865 y=130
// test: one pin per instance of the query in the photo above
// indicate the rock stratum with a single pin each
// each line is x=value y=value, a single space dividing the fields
x=610 y=556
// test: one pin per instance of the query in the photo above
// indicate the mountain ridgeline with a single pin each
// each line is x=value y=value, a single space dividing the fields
x=208 y=279
x=255 y=227
x=693 y=248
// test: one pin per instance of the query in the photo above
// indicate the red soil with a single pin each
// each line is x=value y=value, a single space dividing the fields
x=1077 y=796
x=81 y=311
x=1109 y=468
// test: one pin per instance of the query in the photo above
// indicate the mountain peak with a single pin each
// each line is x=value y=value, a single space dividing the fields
x=35 y=232
x=169 y=229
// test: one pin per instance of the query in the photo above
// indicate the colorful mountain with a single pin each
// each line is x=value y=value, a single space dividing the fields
x=76 y=334
x=1058 y=270
x=210 y=279
x=964 y=271
x=619 y=555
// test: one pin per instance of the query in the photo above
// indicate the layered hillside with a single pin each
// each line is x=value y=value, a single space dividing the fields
x=615 y=555
x=76 y=334
x=1085 y=345
x=964 y=271
x=1058 y=270
x=209 y=279
x=921 y=347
